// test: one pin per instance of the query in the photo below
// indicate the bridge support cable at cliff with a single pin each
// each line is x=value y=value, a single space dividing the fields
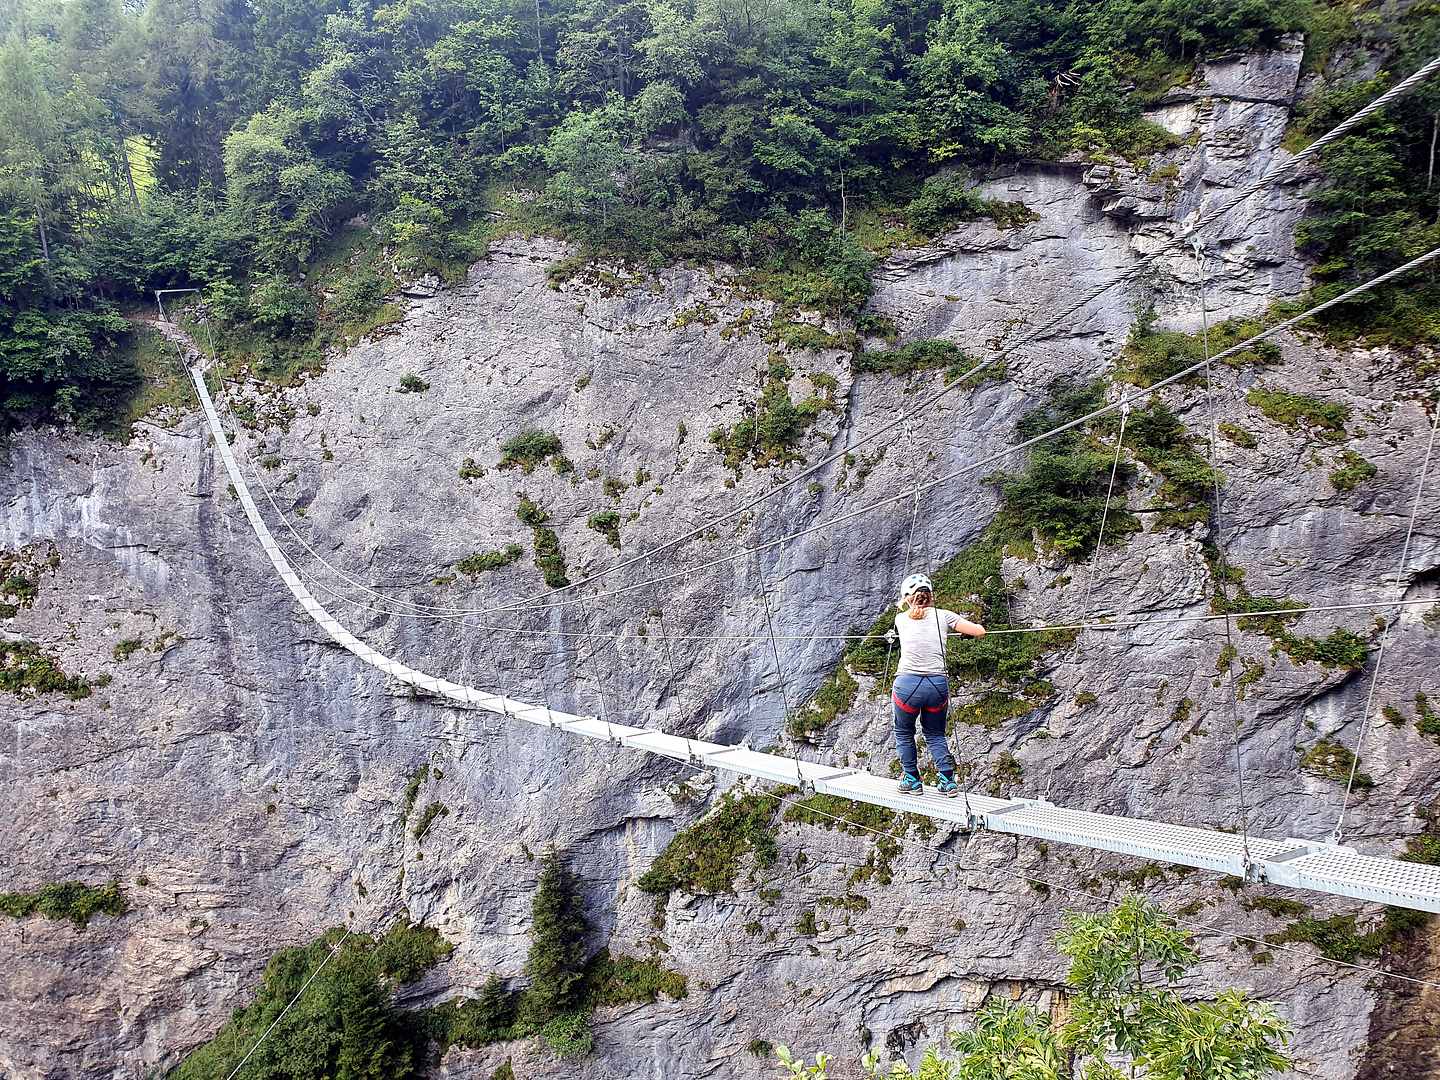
x=1300 y=864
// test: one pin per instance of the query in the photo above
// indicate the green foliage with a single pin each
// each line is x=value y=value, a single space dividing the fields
x=549 y=558
x=1162 y=443
x=1241 y=437
x=71 y=900
x=1339 y=648
x=705 y=858
x=1122 y=965
x=265 y=128
x=1339 y=938
x=1010 y=1041
x=607 y=524
x=834 y=812
x=412 y=384
x=1062 y=493
x=412 y=789
x=1152 y=355
x=1426 y=722
x=432 y=811
x=1352 y=471
x=125 y=648
x=1377 y=209
x=342 y=1026
x=482 y=561
x=528 y=449
x=770 y=435
x=1333 y=761
x=1295 y=411
x=917 y=356
x=23 y=667
x=559 y=931
x=836 y=694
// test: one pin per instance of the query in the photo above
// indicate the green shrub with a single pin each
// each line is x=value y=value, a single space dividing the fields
x=1352 y=471
x=1340 y=939
x=528 y=449
x=432 y=811
x=706 y=857
x=71 y=900
x=412 y=384
x=917 y=356
x=25 y=667
x=124 y=649
x=846 y=815
x=549 y=558
x=482 y=561
x=836 y=694
x=771 y=434
x=1238 y=435
x=1333 y=761
x=1426 y=722
x=342 y=1025
x=945 y=199
x=1295 y=411
x=1061 y=494
x=607 y=524
x=1151 y=356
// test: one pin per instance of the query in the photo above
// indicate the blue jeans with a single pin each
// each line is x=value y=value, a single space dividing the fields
x=926 y=697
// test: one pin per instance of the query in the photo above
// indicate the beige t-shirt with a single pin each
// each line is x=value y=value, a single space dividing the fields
x=922 y=641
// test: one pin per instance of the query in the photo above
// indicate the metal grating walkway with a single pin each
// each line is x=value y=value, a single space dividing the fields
x=1300 y=864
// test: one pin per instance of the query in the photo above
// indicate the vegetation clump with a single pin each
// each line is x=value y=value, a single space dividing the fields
x=1125 y=1016
x=344 y=1021
x=925 y=355
x=1351 y=471
x=71 y=900
x=1333 y=761
x=528 y=449
x=771 y=434
x=24 y=668
x=1296 y=411
x=1153 y=355
x=482 y=561
x=549 y=558
x=607 y=524
x=706 y=857
x=412 y=384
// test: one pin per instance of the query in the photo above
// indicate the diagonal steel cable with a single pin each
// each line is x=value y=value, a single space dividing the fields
x=1336 y=833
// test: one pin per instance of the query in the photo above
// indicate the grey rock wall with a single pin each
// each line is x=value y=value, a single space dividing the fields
x=252 y=774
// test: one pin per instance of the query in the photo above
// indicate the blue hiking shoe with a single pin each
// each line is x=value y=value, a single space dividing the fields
x=947 y=786
x=911 y=785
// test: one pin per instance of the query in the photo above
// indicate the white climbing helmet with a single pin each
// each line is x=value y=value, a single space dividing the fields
x=914 y=583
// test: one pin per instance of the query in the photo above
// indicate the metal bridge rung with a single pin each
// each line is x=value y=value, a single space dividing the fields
x=880 y=791
x=599 y=729
x=782 y=770
x=671 y=746
x=1386 y=881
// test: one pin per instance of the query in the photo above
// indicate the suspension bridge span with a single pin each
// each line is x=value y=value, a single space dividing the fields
x=1295 y=863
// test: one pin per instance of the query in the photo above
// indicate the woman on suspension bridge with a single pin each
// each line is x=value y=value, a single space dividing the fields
x=922 y=687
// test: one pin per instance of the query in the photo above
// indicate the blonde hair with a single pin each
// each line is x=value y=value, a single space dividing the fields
x=920 y=601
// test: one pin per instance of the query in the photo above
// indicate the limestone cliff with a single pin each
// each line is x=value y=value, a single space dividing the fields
x=245 y=780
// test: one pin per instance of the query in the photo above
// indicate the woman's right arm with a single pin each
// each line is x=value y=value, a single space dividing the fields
x=965 y=626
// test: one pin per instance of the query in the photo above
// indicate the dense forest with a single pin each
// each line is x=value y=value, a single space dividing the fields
x=293 y=158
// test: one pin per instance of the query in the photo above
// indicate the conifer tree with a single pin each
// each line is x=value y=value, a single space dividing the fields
x=556 y=964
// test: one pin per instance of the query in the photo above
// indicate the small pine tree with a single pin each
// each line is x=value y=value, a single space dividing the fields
x=556 y=964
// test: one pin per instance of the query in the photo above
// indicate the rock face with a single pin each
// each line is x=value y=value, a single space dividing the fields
x=245 y=780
